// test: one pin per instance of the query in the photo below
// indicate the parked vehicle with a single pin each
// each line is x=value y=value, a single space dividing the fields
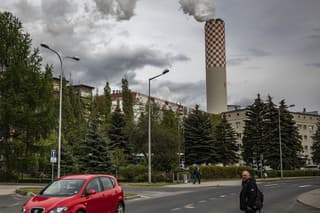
x=311 y=167
x=78 y=194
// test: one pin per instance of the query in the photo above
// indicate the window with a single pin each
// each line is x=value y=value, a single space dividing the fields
x=305 y=137
x=311 y=127
x=239 y=135
x=306 y=148
x=238 y=125
x=238 y=114
x=304 y=127
x=107 y=183
x=95 y=185
x=299 y=126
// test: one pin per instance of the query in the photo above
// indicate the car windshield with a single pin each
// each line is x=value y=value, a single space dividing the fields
x=63 y=188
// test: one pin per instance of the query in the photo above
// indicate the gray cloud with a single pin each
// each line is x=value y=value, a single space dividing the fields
x=120 y=9
x=237 y=61
x=258 y=52
x=317 y=64
x=114 y=64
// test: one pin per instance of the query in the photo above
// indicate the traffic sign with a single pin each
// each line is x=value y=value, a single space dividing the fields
x=53 y=158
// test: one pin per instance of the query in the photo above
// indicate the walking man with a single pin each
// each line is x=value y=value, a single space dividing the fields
x=249 y=194
x=196 y=175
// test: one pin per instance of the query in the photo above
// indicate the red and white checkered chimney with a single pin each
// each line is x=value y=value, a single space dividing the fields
x=216 y=75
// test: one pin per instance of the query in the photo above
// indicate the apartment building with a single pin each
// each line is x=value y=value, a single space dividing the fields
x=305 y=121
x=140 y=102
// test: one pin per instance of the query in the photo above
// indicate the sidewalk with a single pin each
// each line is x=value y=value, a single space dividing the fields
x=207 y=184
x=311 y=198
x=8 y=189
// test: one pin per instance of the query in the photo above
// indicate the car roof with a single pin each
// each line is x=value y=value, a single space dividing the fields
x=84 y=176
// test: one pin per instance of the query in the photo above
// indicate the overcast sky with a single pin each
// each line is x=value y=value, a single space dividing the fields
x=273 y=47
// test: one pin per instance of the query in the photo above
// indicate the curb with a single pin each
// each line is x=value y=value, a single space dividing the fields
x=305 y=204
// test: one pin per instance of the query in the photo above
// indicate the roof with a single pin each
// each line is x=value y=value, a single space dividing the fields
x=83 y=176
x=82 y=85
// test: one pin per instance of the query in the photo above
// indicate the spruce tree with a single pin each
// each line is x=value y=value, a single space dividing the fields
x=225 y=142
x=290 y=139
x=254 y=132
x=199 y=144
x=316 y=146
x=95 y=155
x=271 y=122
x=117 y=133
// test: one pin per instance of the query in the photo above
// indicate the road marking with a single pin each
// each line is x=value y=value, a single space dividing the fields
x=189 y=206
x=275 y=184
x=212 y=198
x=203 y=201
x=303 y=186
x=232 y=194
x=223 y=196
x=176 y=209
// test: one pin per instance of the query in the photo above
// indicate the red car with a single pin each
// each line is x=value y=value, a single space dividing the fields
x=78 y=194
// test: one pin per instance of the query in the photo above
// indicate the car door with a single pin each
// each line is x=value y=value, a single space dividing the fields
x=110 y=200
x=94 y=202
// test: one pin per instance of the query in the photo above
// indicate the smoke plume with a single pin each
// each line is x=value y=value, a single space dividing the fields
x=120 y=9
x=201 y=10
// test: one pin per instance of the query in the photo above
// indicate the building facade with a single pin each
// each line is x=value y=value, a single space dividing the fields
x=306 y=123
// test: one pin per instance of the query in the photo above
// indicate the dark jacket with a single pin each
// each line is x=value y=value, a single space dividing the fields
x=248 y=195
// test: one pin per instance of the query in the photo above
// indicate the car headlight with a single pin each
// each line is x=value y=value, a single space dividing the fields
x=23 y=209
x=59 y=209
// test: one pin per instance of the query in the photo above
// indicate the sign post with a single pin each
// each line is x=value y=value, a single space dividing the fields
x=53 y=160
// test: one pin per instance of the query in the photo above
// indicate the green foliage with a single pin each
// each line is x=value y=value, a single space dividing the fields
x=217 y=172
x=107 y=106
x=127 y=103
x=134 y=173
x=316 y=145
x=26 y=104
x=225 y=141
x=95 y=156
x=261 y=135
x=198 y=139
x=253 y=135
x=117 y=133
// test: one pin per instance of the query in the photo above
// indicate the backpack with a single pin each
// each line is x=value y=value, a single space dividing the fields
x=259 y=199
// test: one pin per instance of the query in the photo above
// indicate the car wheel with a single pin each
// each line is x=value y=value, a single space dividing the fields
x=120 y=208
x=80 y=211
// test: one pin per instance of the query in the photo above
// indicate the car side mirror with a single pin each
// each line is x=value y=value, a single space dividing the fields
x=91 y=192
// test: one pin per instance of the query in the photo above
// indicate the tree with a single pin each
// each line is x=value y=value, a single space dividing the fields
x=199 y=143
x=95 y=156
x=225 y=141
x=271 y=136
x=290 y=139
x=117 y=133
x=127 y=104
x=108 y=102
x=26 y=105
x=253 y=135
x=316 y=145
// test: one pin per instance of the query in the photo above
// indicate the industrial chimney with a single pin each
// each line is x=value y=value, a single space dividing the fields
x=215 y=66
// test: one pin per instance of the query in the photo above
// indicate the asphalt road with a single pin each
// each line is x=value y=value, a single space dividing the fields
x=280 y=197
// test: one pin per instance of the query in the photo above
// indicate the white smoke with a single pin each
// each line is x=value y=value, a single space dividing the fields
x=201 y=10
x=120 y=9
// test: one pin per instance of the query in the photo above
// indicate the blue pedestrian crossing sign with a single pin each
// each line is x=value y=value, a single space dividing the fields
x=53 y=158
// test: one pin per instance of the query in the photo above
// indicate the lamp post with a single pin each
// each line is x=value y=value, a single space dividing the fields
x=149 y=125
x=60 y=101
x=280 y=143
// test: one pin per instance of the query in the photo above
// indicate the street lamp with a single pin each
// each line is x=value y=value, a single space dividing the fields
x=280 y=143
x=149 y=125
x=60 y=100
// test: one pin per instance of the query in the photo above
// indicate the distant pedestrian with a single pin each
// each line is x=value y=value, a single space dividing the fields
x=196 y=175
x=251 y=198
